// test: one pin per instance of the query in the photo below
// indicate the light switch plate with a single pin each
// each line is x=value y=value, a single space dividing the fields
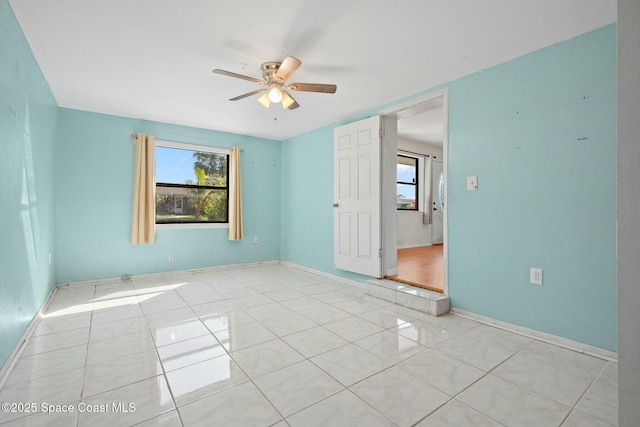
x=472 y=183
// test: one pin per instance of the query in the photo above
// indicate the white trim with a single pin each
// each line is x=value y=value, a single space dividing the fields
x=398 y=110
x=167 y=273
x=415 y=245
x=220 y=267
x=183 y=226
x=324 y=274
x=445 y=167
x=21 y=344
x=587 y=349
x=191 y=147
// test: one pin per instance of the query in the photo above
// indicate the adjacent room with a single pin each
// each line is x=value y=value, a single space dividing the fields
x=315 y=213
x=420 y=196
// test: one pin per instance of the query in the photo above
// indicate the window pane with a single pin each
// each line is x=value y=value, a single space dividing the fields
x=407 y=190
x=407 y=167
x=176 y=205
x=406 y=196
x=178 y=166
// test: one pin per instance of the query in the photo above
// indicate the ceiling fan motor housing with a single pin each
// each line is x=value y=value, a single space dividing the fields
x=269 y=70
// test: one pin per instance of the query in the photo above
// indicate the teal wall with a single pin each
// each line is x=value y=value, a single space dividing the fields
x=307 y=202
x=307 y=197
x=539 y=132
x=94 y=191
x=28 y=113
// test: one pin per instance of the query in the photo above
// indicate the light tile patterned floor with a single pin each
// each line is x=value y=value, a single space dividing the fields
x=277 y=346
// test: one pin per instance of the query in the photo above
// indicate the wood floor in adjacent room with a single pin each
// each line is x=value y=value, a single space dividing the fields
x=422 y=266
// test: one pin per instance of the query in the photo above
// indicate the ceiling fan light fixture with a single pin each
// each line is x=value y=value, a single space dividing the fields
x=286 y=103
x=276 y=75
x=264 y=100
x=287 y=100
x=275 y=95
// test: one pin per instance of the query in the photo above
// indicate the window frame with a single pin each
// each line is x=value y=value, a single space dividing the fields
x=416 y=184
x=202 y=149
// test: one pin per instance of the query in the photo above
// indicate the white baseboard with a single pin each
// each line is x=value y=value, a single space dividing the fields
x=415 y=245
x=587 y=349
x=168 y=273
x=17 y=351
x=324 y=274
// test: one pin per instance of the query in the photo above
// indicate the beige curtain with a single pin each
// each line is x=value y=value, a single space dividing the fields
x=236 y=231
x=144 y=187
x=427 y=215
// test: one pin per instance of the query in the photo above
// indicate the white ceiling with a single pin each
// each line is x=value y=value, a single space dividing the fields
x=426 y=127
x=152 y=59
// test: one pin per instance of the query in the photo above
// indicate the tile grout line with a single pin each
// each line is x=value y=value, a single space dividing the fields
x=159 y=359
x=86 y=357
x=586 y=391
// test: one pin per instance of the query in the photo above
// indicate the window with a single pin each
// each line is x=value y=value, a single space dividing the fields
x=407 y=182
x=191 y=184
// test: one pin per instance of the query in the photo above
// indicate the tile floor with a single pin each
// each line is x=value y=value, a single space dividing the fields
x=277 y=346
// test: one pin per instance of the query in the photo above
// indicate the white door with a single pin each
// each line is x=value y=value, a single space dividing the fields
x=356 y=192
x=437 y=177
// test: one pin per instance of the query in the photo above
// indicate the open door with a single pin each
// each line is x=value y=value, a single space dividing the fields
x=357 y=193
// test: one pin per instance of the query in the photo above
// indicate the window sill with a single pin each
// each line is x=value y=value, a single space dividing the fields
x=190 y=226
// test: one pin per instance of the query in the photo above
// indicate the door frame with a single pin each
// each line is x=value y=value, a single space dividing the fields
x=389 y=149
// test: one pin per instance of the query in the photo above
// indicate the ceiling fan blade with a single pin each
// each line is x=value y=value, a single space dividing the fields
x=264 y=100
x=287 y=68
x=313 y=87
x=246 y=95
x=288 y=102
x=239 y=76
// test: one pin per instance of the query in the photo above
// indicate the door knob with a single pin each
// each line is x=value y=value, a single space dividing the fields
x=335 y=205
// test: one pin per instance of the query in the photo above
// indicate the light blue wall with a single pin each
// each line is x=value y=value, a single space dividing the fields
x=546 y=195
x=28 y=113
x=94 y=193
x=540 y=134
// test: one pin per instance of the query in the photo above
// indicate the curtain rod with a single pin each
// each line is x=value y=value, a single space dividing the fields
x=177 y=142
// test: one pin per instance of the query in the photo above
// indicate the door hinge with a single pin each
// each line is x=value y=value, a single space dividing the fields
x=381 y=133
x=380 y=253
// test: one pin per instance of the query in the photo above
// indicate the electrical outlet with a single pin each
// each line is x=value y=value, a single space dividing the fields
x=256 y=239
x=170 y=258
x=535 y=276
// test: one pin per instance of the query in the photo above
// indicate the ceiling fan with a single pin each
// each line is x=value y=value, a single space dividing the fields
x=275 y=75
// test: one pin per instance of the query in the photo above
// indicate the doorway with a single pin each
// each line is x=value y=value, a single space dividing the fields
x=415 y=246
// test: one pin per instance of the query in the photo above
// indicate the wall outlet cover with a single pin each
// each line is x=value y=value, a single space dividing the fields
x=535 y=276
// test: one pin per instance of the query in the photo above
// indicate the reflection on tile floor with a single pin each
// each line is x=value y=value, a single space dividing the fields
x=277 y=346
